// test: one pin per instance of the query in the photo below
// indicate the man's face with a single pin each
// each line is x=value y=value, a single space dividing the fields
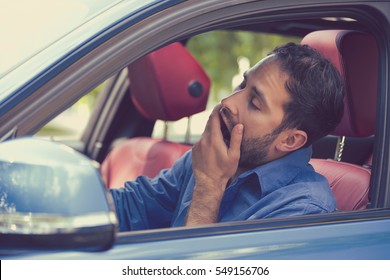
x=258 y=104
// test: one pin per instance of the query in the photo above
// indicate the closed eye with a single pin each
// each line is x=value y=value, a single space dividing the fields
x=254 y=102
x=258 y=99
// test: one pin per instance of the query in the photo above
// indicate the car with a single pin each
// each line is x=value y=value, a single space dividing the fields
x=54 y=199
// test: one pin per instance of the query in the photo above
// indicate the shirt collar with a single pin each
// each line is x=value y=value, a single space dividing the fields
x=279 y=172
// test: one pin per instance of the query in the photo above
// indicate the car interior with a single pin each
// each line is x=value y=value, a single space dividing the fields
x=161 y=90
x=170 y=96
x=169 y=84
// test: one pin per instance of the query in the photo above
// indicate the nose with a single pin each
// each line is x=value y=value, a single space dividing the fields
x=232 y=102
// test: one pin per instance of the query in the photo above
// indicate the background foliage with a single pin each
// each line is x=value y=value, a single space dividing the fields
x=219 y=52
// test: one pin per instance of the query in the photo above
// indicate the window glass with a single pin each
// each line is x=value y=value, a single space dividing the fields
x=70 y=124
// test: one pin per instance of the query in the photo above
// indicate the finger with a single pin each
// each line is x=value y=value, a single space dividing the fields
x=212 y=115
x=213 y=126
x=235 y=140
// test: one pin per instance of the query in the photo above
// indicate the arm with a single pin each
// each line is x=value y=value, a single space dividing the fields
x=150 y=203
x=213 y=165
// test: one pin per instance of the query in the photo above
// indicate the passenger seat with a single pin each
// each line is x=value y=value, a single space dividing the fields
x=168 y=84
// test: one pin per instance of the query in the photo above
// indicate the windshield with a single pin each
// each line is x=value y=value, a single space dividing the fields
x=26 y=26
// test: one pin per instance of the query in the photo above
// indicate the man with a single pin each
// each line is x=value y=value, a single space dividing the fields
x=252 y=159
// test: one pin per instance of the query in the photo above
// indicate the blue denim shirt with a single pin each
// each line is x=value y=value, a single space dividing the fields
x=284 y=187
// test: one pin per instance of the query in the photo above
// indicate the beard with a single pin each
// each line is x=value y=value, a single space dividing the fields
x=254 y=151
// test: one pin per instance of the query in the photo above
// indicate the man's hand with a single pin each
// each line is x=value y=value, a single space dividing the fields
x=213 y=164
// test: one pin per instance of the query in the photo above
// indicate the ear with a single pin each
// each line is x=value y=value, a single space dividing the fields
x=291 y=140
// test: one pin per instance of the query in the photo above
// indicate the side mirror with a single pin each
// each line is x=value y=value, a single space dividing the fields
x=52 y=197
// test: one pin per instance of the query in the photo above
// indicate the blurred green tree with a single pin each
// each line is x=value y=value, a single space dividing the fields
x=219 y=52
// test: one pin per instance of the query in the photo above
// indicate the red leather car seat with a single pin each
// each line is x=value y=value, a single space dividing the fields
x=355 y=55
x=167 y=84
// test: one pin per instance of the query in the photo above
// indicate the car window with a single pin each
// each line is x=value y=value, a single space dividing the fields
x=233 y=51
x=70 y=124
x=37 y=35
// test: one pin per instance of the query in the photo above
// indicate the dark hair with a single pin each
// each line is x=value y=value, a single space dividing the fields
x=316 y=89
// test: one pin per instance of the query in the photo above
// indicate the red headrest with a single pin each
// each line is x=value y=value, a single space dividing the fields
x=355 y=55
x=168 y=84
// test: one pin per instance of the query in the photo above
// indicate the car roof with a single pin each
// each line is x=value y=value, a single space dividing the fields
x=40 y=32
x=33 y=25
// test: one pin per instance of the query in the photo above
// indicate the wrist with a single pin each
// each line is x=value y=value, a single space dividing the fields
x=213 y=185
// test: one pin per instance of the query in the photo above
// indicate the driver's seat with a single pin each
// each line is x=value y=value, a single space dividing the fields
x=355 y=55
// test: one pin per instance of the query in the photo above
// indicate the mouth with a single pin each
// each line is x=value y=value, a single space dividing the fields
x=224 y=129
